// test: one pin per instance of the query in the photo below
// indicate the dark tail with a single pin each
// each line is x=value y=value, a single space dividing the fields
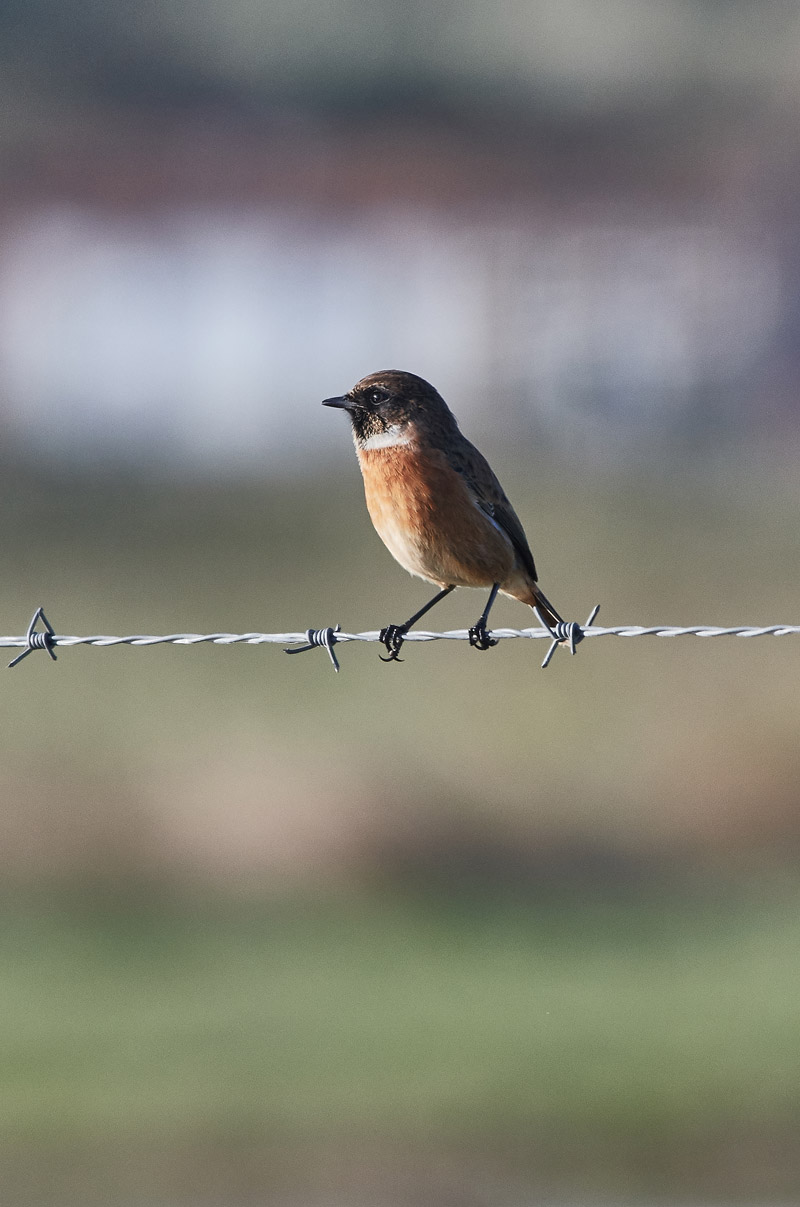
x=546 y=608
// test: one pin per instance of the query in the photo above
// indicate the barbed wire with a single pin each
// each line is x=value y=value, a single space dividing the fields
x=567 y=634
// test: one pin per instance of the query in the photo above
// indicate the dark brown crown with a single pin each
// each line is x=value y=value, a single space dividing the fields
x=390 y=398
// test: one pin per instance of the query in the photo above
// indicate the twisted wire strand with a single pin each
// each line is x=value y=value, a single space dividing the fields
x=564 y=633
x=103 y=641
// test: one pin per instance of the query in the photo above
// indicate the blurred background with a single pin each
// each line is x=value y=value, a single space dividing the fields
x=457 y=931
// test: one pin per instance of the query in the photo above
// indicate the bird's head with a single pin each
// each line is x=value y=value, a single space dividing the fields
x=392 y=407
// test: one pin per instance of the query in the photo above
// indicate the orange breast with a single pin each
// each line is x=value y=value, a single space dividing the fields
x=423 y=512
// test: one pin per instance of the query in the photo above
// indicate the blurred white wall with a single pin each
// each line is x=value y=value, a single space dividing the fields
x=211 y=336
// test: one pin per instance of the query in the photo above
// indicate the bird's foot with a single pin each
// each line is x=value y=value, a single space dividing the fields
x=479 y=637
x=392 y=637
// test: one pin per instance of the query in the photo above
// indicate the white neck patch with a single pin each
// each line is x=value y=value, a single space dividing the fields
x=391 y=438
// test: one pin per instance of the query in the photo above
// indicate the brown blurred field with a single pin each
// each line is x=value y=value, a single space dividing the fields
x=248 y=765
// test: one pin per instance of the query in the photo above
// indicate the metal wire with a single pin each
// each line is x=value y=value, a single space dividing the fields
x=326 y=638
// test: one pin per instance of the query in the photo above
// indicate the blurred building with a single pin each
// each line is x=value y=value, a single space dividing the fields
x=572 y=226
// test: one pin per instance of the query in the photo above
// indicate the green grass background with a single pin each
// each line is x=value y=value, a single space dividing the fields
x=329 y=1044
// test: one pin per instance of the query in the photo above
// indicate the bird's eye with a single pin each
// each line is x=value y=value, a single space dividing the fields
x=377 y=396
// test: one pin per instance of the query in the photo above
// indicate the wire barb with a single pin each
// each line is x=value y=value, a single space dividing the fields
x=320 y=637
x=35 y=639
x=565 y=631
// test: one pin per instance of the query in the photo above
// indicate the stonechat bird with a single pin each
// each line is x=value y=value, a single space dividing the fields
x=435 y=502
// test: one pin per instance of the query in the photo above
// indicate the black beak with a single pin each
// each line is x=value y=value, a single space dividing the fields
x=343 y=403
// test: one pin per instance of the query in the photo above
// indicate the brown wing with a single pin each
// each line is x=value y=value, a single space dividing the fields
x=490 y=496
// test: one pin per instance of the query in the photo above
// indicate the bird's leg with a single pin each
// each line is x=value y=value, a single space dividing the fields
x=394 y=634
x=479 y=638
